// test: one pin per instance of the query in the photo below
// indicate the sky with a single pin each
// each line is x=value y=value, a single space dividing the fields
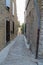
x=20 y=10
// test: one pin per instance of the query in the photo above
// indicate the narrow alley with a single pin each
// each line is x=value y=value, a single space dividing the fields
x=21 y=32
x=18 y=54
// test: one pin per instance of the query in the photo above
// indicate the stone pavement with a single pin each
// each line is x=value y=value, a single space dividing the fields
x=19 y=54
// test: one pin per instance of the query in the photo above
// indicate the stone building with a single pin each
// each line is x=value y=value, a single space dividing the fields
x=34 y=24
x=8 y=21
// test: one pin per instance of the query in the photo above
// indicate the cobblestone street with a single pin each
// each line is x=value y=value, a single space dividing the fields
x=19 y=54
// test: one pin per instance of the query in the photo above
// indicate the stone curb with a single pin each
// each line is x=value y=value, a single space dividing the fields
x=27 y=45
x=4 y=52
x=32 y=59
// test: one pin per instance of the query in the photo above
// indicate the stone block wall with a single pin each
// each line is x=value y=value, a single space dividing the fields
x=31 y=25
x=7 y=15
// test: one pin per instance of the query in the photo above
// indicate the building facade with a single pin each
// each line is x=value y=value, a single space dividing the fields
x=34 y=24
x=8 y=21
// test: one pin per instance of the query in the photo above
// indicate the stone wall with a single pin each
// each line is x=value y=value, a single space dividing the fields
x=31 y=25
x=7 y=15
x=3 y=15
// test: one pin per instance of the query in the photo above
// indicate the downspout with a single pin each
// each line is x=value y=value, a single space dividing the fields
x=38 y=30
x=24 y=23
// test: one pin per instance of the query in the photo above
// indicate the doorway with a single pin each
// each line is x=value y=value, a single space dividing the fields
x=7 y=31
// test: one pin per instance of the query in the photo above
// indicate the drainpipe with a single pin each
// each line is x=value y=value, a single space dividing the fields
x=24 y=22
x=38 y=31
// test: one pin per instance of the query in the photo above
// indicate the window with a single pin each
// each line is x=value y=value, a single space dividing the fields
x=8 y=3
x=13 y=8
